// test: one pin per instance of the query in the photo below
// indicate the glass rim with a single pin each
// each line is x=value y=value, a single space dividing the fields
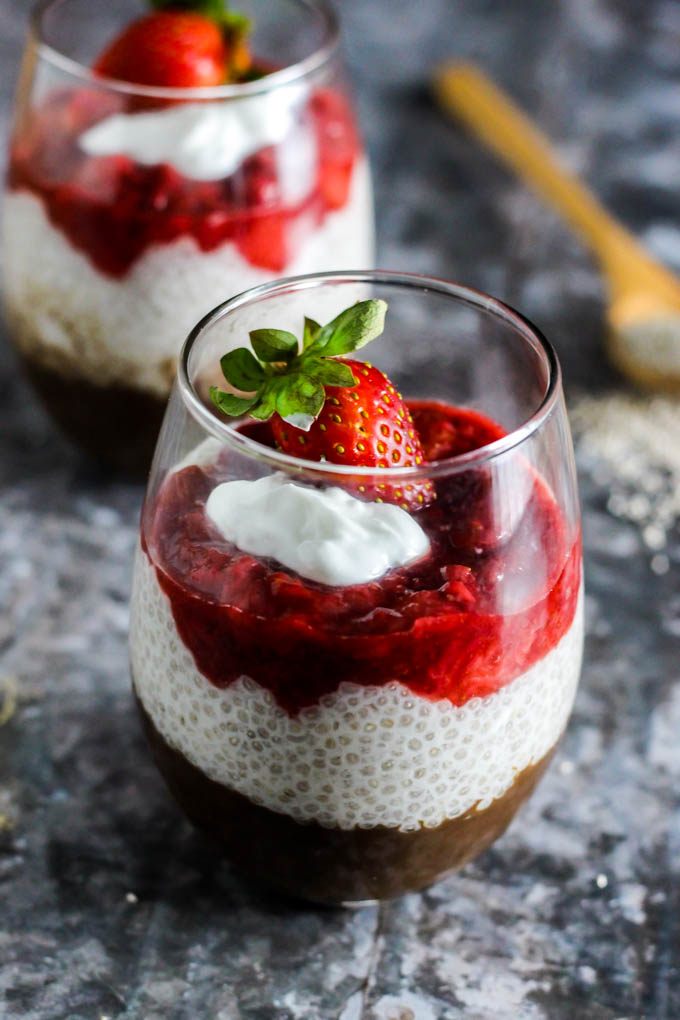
x=295 y=72
x=475 y=298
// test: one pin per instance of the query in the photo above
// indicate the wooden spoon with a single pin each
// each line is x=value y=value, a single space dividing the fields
x=644 y=297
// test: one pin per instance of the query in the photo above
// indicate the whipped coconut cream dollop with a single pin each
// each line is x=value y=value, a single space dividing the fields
x=326 y=535
x=203 y=141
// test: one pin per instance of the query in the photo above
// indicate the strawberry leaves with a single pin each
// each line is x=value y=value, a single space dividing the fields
x=279 y=377
x=351 y=329
x=234 y=24
x=273 y=344
x=230 y=404
x=330 y=373
x=301 y=400
x=310 y=333
x=243 y=370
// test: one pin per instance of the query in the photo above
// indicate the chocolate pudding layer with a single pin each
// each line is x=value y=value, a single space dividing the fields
x=115 y=424
x=331 y=865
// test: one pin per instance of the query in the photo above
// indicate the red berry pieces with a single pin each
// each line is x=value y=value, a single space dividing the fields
x=445 y=432
x=338 y=142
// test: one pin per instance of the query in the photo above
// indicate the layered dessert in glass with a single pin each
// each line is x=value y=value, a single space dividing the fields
x=132 y=207
x=356 y=625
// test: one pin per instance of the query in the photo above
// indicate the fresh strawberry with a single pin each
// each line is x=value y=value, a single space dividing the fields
x=177 y=49
x=366 y=425
x=363 y=422
x=182 y=44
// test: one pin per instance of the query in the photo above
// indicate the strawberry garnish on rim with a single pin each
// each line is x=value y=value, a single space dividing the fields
x=326 y=407
x=181 y=44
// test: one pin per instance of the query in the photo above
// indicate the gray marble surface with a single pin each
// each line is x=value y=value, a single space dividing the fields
x=110 y=906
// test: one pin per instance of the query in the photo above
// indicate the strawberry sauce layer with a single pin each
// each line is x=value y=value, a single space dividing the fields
x=113 y=209
x=491 y=599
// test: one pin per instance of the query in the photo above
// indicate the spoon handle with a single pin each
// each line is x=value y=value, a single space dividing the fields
x=466 y=92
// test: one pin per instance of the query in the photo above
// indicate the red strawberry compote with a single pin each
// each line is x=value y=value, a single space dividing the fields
x=124 y=223
x=353 y=741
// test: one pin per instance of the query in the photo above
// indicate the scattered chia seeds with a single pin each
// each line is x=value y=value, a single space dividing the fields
x=654 y=345
x=631 y=444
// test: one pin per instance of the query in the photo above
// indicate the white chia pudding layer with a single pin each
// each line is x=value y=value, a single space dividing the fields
x=362 y=757
x=68 y=316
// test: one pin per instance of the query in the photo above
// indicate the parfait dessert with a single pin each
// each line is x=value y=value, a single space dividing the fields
x=164 y=155
x=357 y=616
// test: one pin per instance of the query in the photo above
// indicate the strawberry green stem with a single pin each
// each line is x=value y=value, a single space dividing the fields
x=281 y=375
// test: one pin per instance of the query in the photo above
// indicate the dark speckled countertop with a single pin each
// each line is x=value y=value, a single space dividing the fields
x=110 y=906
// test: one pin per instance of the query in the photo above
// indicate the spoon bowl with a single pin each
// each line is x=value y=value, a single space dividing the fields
x=643 y=315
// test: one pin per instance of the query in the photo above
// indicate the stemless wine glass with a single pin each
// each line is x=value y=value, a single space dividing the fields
x=353 y=742
x=131 y=211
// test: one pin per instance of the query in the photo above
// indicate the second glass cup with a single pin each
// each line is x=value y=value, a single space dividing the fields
x=130 y=210
x=355 y=737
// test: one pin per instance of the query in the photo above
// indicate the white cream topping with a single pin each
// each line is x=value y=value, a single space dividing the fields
x=325 y=534
x=203 y=141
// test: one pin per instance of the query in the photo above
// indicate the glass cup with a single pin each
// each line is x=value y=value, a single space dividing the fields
x=353 y=742
x=131 y=211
